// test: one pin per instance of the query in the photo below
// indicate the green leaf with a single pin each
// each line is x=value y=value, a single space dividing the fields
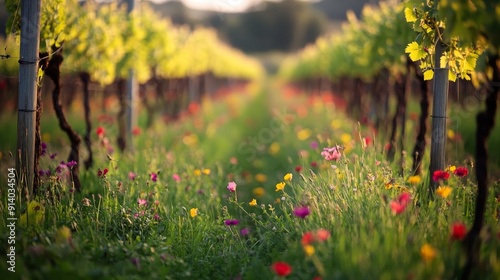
x=410 y=15
x=415 y=51
x=428 y=75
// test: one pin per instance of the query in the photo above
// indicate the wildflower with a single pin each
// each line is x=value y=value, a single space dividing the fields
x=231 y=186
x=274 y=148
x=86 y=202
x=154 y=177
x=197 y=172
x=414 y=180
x=52 y=156
x=176 y=178
x=288 y=177
x=313 y=145
x=63 y=234
x=141 y=202
x=345 y=138
x=136 y=131
x=458 y=231
x=193 y=212
x=331 y=153
x=301 y=212
x=304 y=134
x=261 y=178
x=233 y=160
x=367 y=141
x=43 y=149
x=100 y=131
x=253 y=202
x=461 y=171
x=281 y=269
x=245 y=231
x=259 y=191
x=451 y=168
x=307 y=238
x=399 y=205
x=206 y=171
x=443 y=191
x=309 y=250
x=231 y=222
x=132 y=175
x=314 y=164
x=156 y=217
x=322 y=234
x=136 y=262
x=71 y=163
x=440 y=175
x=298 y=168
x=427 y=252
x=280 y=186
x=102 y=173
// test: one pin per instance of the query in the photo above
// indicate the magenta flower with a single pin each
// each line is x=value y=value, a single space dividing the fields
x=331 y=153
x=301 y=212
x=154 y=177
x=245 y=231
x=231 y=222
x=132 y=175
x=71 y=163
x=52 y=156
x=313 y=144
x=141 y=201
x=231 y=186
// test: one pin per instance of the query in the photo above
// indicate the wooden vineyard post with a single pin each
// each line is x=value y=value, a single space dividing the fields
x=28 y=77
x=131 y=87
x=440 y=99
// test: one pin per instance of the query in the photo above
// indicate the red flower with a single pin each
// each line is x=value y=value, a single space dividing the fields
x=314 y=164
x=307 y=238
x=298 y=168
x=136 y=131
x=322 y=234
x=100 y=131
x=281 y=268
x=458 y=231
x=440 y=175
x=102 y=173
x=461 y=171
x=399 y=205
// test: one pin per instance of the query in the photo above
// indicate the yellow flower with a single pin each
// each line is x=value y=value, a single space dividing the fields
x=34 y=214
x=304 y=134
x=261 y=178
x=335 y=124
x=63 y=234
x=443 y=191
x=259 y=191
x=427 y=252
x=288 y=177
x=206 y=171
x=253 y=202
x=280 y=186
x=452 y=168
x=414 y=180
x=274 y=148
x=345 y=138
x=451 y=134
x=193 y=212
x=197 y=172
x=309 y=250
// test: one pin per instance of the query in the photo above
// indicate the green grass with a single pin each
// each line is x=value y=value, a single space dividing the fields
x=252 y=138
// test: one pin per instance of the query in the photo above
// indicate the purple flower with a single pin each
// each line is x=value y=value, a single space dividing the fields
x=231 y=186
x=313 y=144
x=231 y=222
x=245 y=231
x=136 y=262
x=52 y=156
x=301 y=212
x=71 y=163
x=154 y=177
x=156 y=217
x=44 y=145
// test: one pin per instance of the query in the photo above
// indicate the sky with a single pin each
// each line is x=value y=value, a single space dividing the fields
x=217 y=5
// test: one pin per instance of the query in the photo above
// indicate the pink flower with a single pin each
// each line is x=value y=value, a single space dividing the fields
x=440 y=175
x=154 y=177
x=331 y=153
x=141 y=202
x=176 y=178
x=231 y=186
x=132 y=176
x=301 y=212
x=245 y=231
x=71 y=163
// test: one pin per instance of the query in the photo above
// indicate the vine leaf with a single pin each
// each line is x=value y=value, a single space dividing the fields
x=428 y=75
x=415 y=51
x=410 y=15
